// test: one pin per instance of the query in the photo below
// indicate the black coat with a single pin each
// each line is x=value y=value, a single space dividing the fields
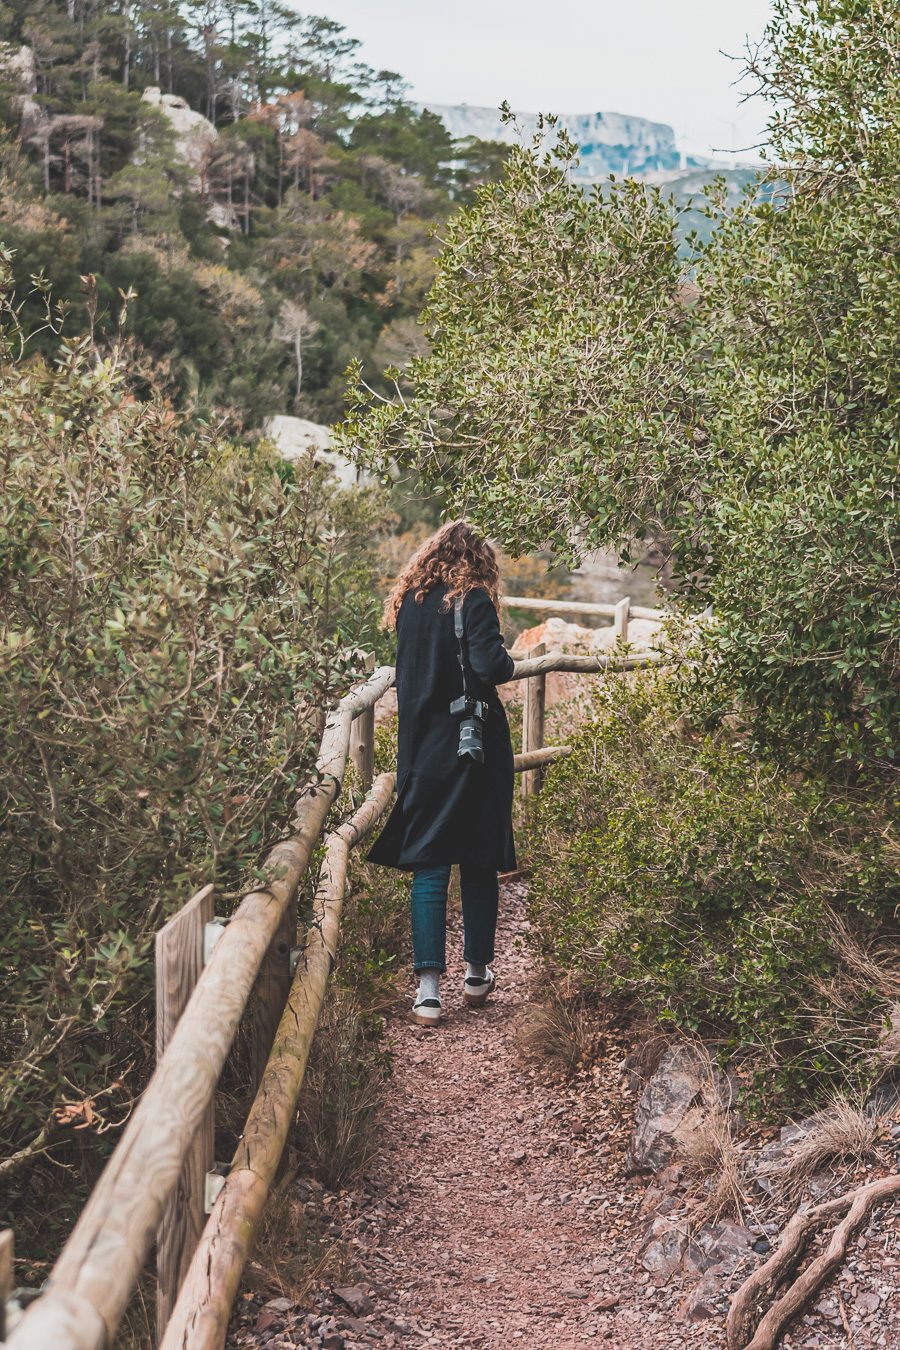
x=449 y=810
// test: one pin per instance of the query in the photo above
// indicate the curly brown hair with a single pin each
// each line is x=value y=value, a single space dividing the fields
x=455 y=556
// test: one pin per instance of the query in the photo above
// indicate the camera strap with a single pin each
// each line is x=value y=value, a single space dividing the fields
x=458 y=629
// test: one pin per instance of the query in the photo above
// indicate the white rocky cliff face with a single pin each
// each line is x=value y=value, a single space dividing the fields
x=297 y=438
x=195 y=136
x=609 y=142
x=18 y=67
x=195 y=139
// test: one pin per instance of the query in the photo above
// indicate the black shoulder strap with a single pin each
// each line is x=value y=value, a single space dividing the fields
x=459 y=630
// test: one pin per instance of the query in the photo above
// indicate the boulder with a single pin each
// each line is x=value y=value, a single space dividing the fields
x=765 y=1164
x=354 y=1297
x=195 y=135
x=704 y=1302
x=720 y=1246
x=664 y=1247
x=670 y=1246
x=560 y=636
x=674 y=1107
x=298 y=438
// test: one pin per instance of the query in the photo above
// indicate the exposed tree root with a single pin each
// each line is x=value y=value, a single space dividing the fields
x=743 y=1330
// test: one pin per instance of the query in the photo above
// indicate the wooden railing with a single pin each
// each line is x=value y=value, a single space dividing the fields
x=621 y=612
x=154 y=1186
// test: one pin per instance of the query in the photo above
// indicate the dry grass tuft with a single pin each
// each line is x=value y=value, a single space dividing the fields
x=862 y=965
x=842 y=1134
x=138 y=1327
x=291 y=1257
x=715 y=1170
x=888 y=1050
x=648 y=1042
x=344 y=1088
x=560 y=1031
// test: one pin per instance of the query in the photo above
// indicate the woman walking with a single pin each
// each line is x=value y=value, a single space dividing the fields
x=454 y=755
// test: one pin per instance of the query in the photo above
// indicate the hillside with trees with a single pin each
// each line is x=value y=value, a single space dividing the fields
x=209 y=210
x=268 y=197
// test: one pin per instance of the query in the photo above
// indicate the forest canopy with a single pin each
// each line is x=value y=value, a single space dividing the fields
x=275 y=220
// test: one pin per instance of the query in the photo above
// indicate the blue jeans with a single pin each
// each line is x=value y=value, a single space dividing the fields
x=428 y=902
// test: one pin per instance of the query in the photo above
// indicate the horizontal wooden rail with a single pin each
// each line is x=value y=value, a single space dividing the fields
x=91 y=1283
x=580 y=607
x=584 y=665
x=200 y=1318
x=533 y=759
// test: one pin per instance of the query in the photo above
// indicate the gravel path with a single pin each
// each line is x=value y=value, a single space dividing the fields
x=497 y=1212
x=505 y=1201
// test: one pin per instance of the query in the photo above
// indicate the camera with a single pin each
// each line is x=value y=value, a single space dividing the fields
x=473 y=712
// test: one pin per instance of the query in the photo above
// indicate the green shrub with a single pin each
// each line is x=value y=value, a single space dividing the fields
x=732 y=899
x=588 y=385
x=174 y=614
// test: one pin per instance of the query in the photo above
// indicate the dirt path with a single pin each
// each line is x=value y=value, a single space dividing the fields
x=497 y=1211
x=507 y=1211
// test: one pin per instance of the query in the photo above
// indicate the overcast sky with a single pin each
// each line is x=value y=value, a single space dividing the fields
x=659 y=59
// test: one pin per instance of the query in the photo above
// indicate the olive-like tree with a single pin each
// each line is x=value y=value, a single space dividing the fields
x=589 y=383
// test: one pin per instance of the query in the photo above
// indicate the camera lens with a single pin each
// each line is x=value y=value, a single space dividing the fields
x=470 y=740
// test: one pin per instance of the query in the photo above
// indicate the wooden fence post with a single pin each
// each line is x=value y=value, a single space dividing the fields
x=533 y=722
x=362 y=739
x=179 y=965
x=7 y=1267
x=620 y=618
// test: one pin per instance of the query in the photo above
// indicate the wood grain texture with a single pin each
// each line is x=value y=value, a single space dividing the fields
x=579 y=607
x=179 y=965
x=200 y=1318
x=532 y=759
x=533 y=722
x=7 y=1269
x=621 y=617
x=270 y=993
x=362 y=741
x=584 y=665
x=66 y=1320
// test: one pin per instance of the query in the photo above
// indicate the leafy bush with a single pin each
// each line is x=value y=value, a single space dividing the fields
x=588 y=385
x=729 y=897
x=174 y=614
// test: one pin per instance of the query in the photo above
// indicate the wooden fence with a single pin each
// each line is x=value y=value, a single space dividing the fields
x=621 y=613
x=160 y=1183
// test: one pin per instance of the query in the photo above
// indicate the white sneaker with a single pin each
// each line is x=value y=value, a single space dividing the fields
x=427 y=1012
x=476 y=992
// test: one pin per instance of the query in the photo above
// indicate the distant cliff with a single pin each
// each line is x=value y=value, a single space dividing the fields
x=609 y=142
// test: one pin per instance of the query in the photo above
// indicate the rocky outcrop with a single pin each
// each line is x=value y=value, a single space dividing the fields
x=297 y=438
x=195 y=142
x=17 y=68
x=560 y=636
x=195 y=135
x=672 y=1246
x=675 y=1106
x=609 y=142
